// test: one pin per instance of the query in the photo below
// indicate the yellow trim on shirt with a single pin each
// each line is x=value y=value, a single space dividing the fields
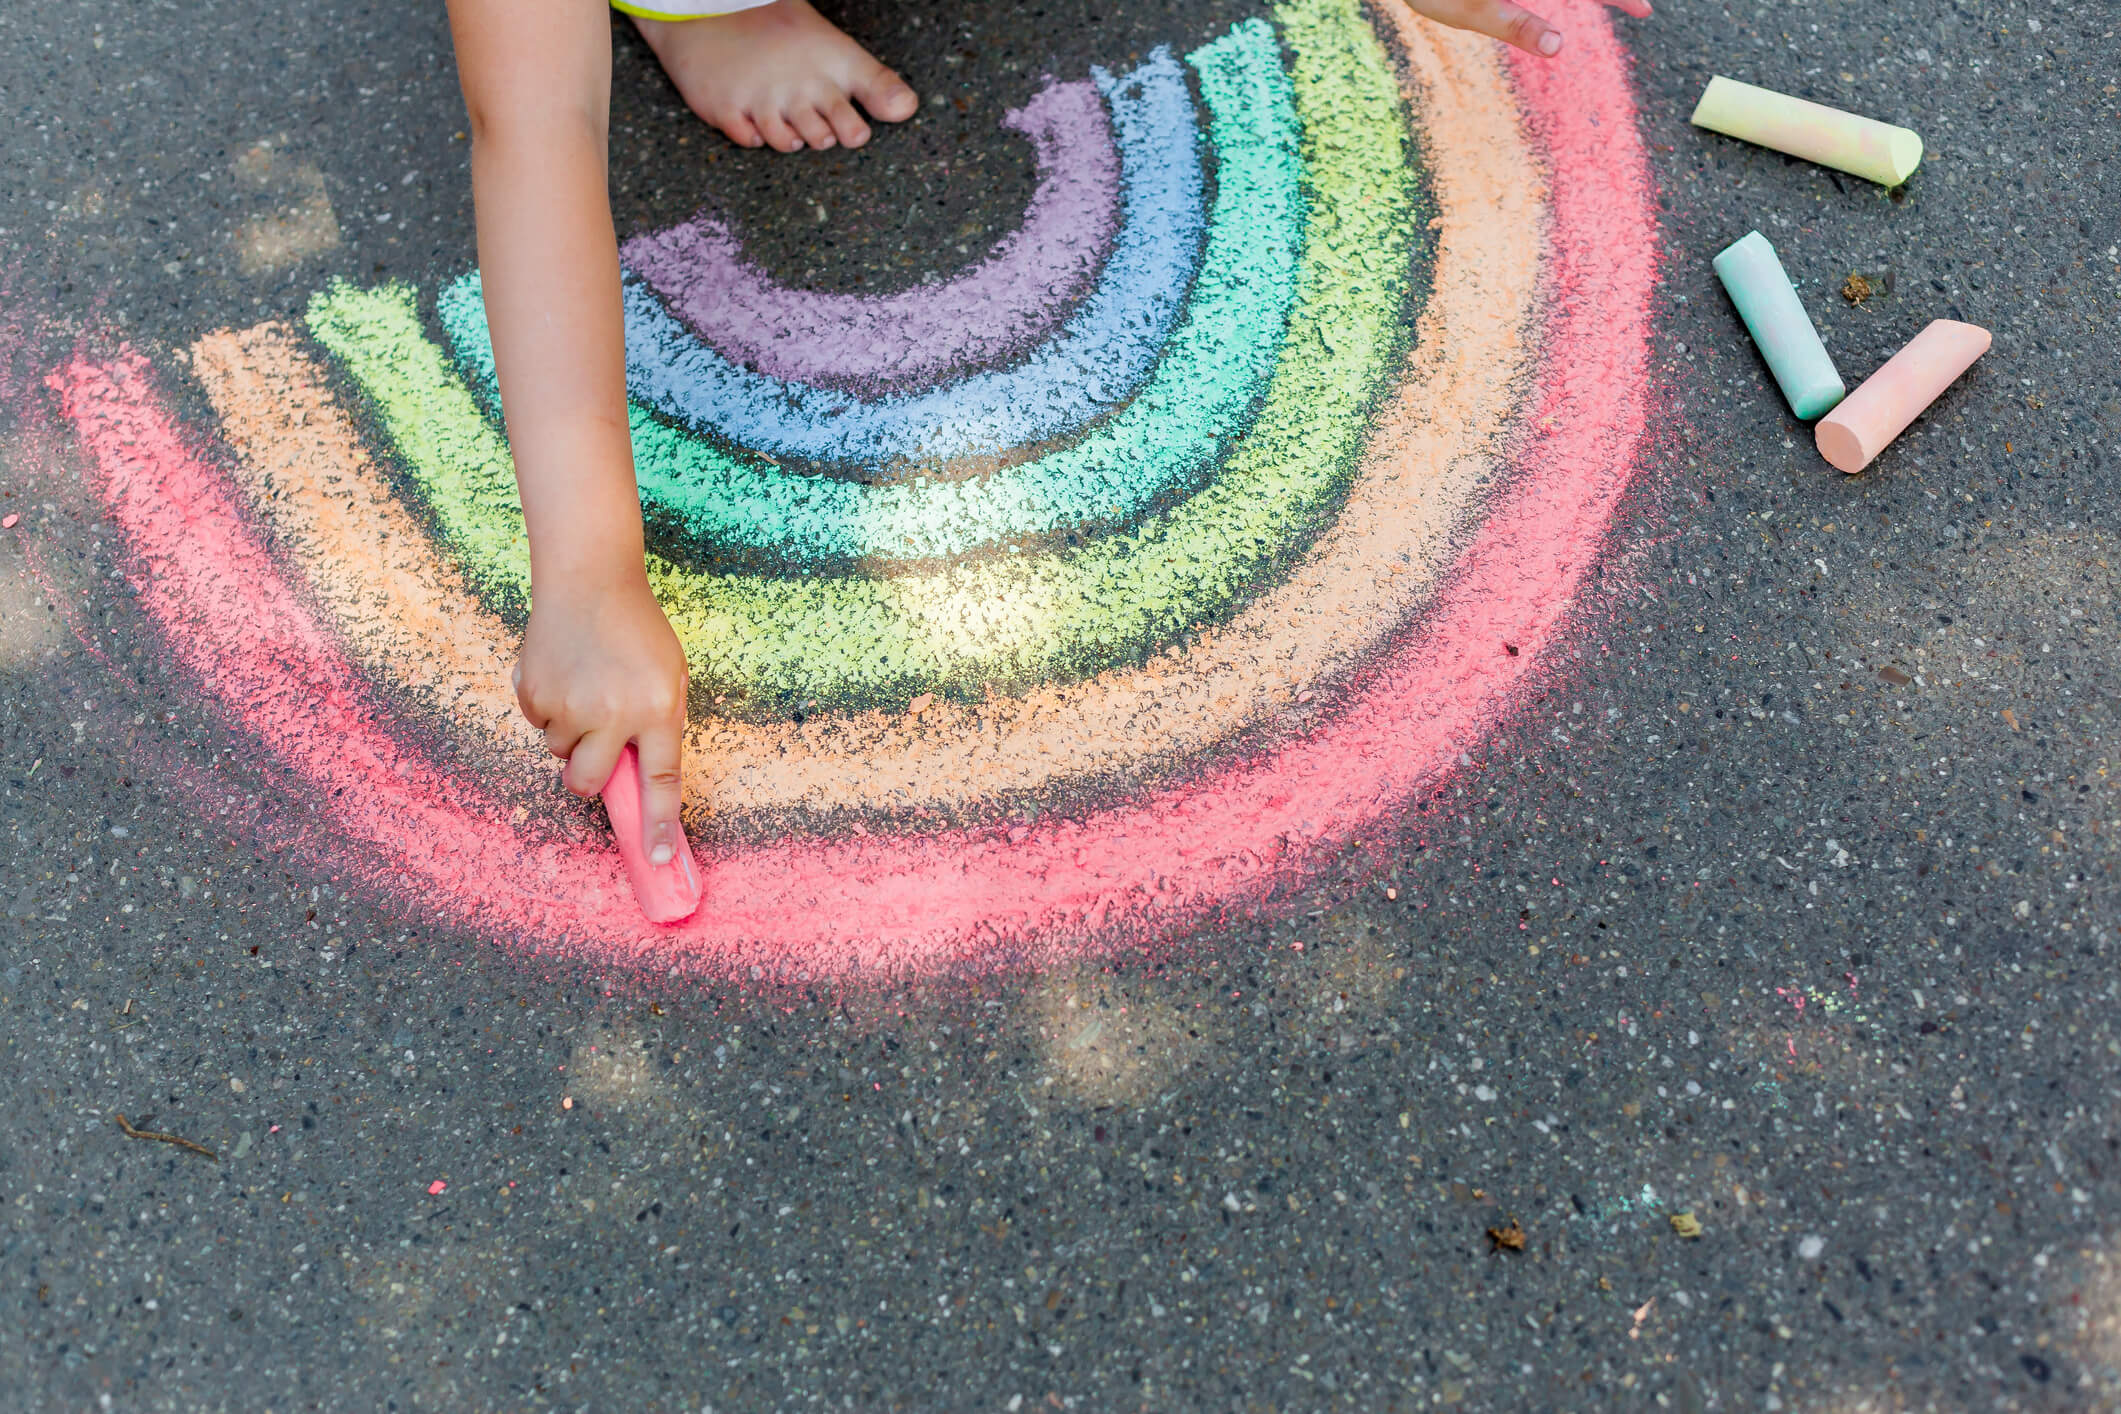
x=643 y=12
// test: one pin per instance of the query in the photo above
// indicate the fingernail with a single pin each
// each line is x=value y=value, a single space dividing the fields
x=1550 y=43
x=661 y=854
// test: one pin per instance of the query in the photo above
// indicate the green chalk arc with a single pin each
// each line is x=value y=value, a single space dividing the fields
x=1170 y=435
x=1012 y=621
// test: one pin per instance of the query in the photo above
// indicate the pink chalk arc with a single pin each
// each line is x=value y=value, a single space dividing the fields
x=955 y=898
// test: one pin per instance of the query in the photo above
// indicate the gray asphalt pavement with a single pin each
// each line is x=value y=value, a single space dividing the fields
x=1761 y=978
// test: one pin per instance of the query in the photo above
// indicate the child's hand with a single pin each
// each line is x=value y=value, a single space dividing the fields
x=1510 y=23
x=600 y=668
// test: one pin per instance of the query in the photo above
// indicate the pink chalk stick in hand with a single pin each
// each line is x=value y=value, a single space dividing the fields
x=668 y=893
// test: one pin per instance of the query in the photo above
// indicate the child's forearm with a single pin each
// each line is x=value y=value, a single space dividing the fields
x=536 y=83
x=550 y=266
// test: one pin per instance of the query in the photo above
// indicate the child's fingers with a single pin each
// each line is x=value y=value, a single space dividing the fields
x=1512 y=25
x=590 y=763
x=561 y=738
x=1640 y=9
x=524 y=703
x=662 y=793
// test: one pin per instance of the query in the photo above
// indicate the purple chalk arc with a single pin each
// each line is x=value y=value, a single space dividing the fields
x=990 y=311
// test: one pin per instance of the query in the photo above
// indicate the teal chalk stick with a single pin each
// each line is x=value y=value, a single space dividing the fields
x=1771 y=310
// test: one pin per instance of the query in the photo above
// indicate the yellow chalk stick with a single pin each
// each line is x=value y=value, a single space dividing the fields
x=1878 y=151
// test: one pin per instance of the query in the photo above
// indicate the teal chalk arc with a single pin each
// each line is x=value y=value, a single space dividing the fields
x=1202 y=394
x=1005 y=621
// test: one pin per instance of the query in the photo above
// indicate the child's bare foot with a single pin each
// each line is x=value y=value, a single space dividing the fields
x=781 y=74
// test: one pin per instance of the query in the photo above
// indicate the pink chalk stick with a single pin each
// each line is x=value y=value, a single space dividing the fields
x=1871 y=417
x=668 y=893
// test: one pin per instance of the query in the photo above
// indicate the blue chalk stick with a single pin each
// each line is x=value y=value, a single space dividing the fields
x=1771 y=310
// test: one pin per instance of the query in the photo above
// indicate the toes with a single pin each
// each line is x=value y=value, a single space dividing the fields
x=779 y=136
x=847 y=124
x=738 y=129
x=886 y=96
x=813 y=128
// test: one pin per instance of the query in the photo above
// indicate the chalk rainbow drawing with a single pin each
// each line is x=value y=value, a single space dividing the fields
x=1005 y=665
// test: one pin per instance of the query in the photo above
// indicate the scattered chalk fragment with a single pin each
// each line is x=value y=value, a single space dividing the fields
x=1769 y=305
x=434 y=1190
x=7 y=522
x=1887 y=401
x=668 y=893
x=1866 y=147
